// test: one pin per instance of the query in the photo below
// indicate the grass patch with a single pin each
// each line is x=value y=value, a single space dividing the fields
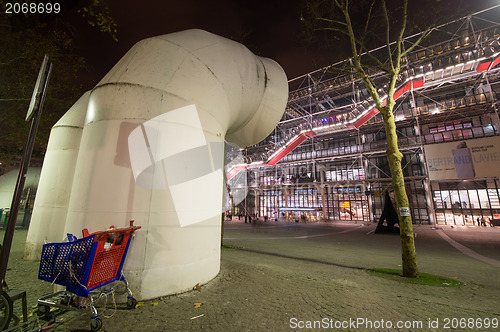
x=422 y=279
x=225 y=246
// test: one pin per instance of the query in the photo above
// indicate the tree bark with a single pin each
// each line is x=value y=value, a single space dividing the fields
x=408 y=252
x=394 y=156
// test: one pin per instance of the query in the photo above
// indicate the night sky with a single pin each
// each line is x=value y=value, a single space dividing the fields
x=269 y=28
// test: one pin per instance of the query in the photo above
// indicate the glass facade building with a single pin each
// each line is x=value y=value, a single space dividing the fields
x=326 y=159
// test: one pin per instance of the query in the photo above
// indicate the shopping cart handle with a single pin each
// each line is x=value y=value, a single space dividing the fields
x=112 y=229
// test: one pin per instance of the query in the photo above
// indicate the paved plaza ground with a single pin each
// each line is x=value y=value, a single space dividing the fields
x=282 y=276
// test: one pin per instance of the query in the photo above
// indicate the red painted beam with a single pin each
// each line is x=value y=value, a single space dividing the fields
x=309 y=134
x=483 y=65
x=495 y=61
x=365 y=117
x=415 y=84
x=399 y=92
x=290 y=146
x=418 y=83
x=233 y=171
x=488 y=64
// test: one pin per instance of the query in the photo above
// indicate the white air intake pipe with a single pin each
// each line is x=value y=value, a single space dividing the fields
x=53 y=192
x=152 y=150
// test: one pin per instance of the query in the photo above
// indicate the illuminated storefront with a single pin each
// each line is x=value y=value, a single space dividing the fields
x=464 y=177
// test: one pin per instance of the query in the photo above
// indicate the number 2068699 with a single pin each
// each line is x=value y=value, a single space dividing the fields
x=32 y=8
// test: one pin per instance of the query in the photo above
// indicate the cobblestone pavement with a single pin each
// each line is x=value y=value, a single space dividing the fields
x=280 y=276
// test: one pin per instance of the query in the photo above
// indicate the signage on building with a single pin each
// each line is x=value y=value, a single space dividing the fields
x=346 y=205
x=468 y=159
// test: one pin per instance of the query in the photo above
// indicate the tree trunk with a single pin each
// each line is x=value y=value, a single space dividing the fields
x=408 y=253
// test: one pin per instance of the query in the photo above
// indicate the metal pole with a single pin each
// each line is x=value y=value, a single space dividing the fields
x=11 y=224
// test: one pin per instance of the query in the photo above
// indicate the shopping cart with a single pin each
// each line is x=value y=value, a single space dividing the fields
x=83 y=266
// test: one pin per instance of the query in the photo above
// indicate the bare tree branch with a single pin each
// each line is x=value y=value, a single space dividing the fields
x=379 y=63
x=333 y=29
x=365 y=31
x=387 y=35
x=331 y=21
x=417 y=42
x=356 y=58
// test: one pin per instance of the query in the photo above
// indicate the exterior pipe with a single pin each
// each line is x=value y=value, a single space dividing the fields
x=52 y=198
x=152 y=150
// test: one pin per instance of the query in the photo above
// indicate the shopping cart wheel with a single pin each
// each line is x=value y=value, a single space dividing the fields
x=43 y=310
x=95 y=324
x=131 y=303
x=66 y=299
x=5 y=311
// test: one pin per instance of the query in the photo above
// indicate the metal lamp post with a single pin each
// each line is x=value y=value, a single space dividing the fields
x=33 y=115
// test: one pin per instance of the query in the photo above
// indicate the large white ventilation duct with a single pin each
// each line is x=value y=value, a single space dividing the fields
x=52 y=198
x=152 y=150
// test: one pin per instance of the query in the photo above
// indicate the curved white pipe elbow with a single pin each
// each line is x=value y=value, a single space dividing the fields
x=152 y=150
x=244 y=93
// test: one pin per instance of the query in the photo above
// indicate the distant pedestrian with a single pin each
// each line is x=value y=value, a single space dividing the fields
x=246 y=218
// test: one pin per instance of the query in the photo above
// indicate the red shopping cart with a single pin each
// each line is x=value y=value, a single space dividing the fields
x=83 y=266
